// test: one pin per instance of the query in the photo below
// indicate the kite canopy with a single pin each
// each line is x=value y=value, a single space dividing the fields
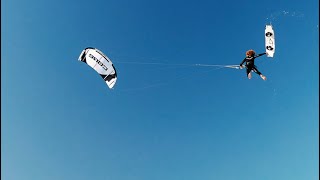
x=101 y=64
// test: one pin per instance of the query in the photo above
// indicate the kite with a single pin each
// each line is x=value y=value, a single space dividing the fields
x=101 y=64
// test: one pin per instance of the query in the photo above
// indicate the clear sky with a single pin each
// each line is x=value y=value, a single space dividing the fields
x=59 y=120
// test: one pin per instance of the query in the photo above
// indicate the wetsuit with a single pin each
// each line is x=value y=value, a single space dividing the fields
x=250 y=63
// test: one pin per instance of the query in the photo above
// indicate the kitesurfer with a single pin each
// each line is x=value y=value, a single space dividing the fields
x=249 y=60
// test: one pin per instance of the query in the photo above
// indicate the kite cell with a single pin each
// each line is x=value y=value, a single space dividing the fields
x=101 y=64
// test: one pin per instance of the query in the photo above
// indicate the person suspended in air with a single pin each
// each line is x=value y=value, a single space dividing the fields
x=249 y=60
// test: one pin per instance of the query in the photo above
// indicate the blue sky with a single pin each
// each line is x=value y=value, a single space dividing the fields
x=60 y=121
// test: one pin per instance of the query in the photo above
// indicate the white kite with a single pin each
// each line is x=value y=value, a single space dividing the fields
x=101 y=64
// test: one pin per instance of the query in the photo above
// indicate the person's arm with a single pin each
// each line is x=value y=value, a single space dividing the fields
x=261 y=54
x=244 y=60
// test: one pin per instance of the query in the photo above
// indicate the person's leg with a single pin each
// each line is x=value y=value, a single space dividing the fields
x=249 y=73
x=259 y=73
x=263 y=77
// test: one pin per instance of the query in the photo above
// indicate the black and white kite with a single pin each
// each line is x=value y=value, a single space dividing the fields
x=101 y=64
